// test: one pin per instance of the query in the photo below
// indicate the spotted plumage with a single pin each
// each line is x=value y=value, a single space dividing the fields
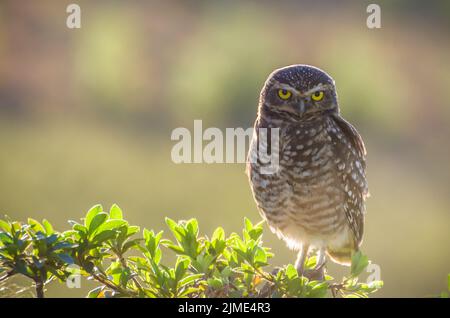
x=315 y=199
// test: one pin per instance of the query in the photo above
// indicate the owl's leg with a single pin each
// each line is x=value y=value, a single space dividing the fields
x=318 y=272
x=319 y=269
x=321 y=259
x=301 y=256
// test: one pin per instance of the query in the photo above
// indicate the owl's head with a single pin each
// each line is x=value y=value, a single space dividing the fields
x=300 y=92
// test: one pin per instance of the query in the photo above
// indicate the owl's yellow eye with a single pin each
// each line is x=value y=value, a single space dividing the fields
x=317 y=96
x=284 y=94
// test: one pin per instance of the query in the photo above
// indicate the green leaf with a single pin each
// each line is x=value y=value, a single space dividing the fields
x=291 y=271
x=176 y=230
x=96 y=221
x=248 y=224
x=319 y=291
x=202 y=262
x=310 y=262
x=359 y=263
x=218 y=240
x=125 y=276
x=189 y=279
x=5 y=226
x=177 y=249
x=181 y=267
x=132 y=229
x=80 y=228
x=260 y=256
x=152 y=242
x=6 y=238
x=51 y=239
x=36 y=226
x=96 y=209
x=103 y=236
x=189 y=291
x=63 y=245
x=66 y=258
x=48 y=227
x=115 y=212
x=448 y=282
x=376 y=284
x=15 y=226
x=192 y=226
x=215 y=283
x=255 y=233
x=131 y=244
x=94 y=293
x=171 y=224
x=23 y=244
x=219 y=234
x=112 y=225
x=22 y=268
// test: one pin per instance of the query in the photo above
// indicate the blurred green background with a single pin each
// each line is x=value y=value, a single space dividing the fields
x=86 y=115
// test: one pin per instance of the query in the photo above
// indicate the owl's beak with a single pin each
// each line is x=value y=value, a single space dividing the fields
x=301 y=107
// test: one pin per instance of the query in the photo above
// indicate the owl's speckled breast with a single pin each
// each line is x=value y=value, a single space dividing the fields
x=303 y=200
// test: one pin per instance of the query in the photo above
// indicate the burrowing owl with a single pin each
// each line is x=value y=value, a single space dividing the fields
x=315 y=199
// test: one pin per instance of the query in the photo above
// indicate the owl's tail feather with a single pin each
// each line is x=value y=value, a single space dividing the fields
x=341 y=256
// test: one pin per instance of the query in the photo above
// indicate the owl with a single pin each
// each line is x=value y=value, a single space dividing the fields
x=314 y=199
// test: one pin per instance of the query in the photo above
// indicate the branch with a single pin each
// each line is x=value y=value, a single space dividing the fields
x=39 y=288
x=114 y=287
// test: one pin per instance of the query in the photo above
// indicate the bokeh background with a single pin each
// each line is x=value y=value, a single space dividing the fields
x=86 y=114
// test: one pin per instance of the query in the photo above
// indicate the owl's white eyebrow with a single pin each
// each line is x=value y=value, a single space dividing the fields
x=286 y=87
x=316 y=88
x=319 y=87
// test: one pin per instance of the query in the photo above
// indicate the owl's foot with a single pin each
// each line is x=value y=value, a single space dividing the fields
x=317 y=273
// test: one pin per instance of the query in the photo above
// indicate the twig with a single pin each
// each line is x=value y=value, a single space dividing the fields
x=125 y=265
x=7 y=275
x=39 y=288
x=114 y=287
x=107 y=282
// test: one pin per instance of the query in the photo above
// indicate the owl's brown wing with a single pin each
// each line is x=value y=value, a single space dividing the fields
x=352 y=135
x=350 y=151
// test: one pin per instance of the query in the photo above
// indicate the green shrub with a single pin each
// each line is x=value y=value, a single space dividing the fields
x=105 y=248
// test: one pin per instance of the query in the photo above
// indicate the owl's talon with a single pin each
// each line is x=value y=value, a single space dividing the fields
x=319 y=266
x=315 y=273
x=318 y=272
